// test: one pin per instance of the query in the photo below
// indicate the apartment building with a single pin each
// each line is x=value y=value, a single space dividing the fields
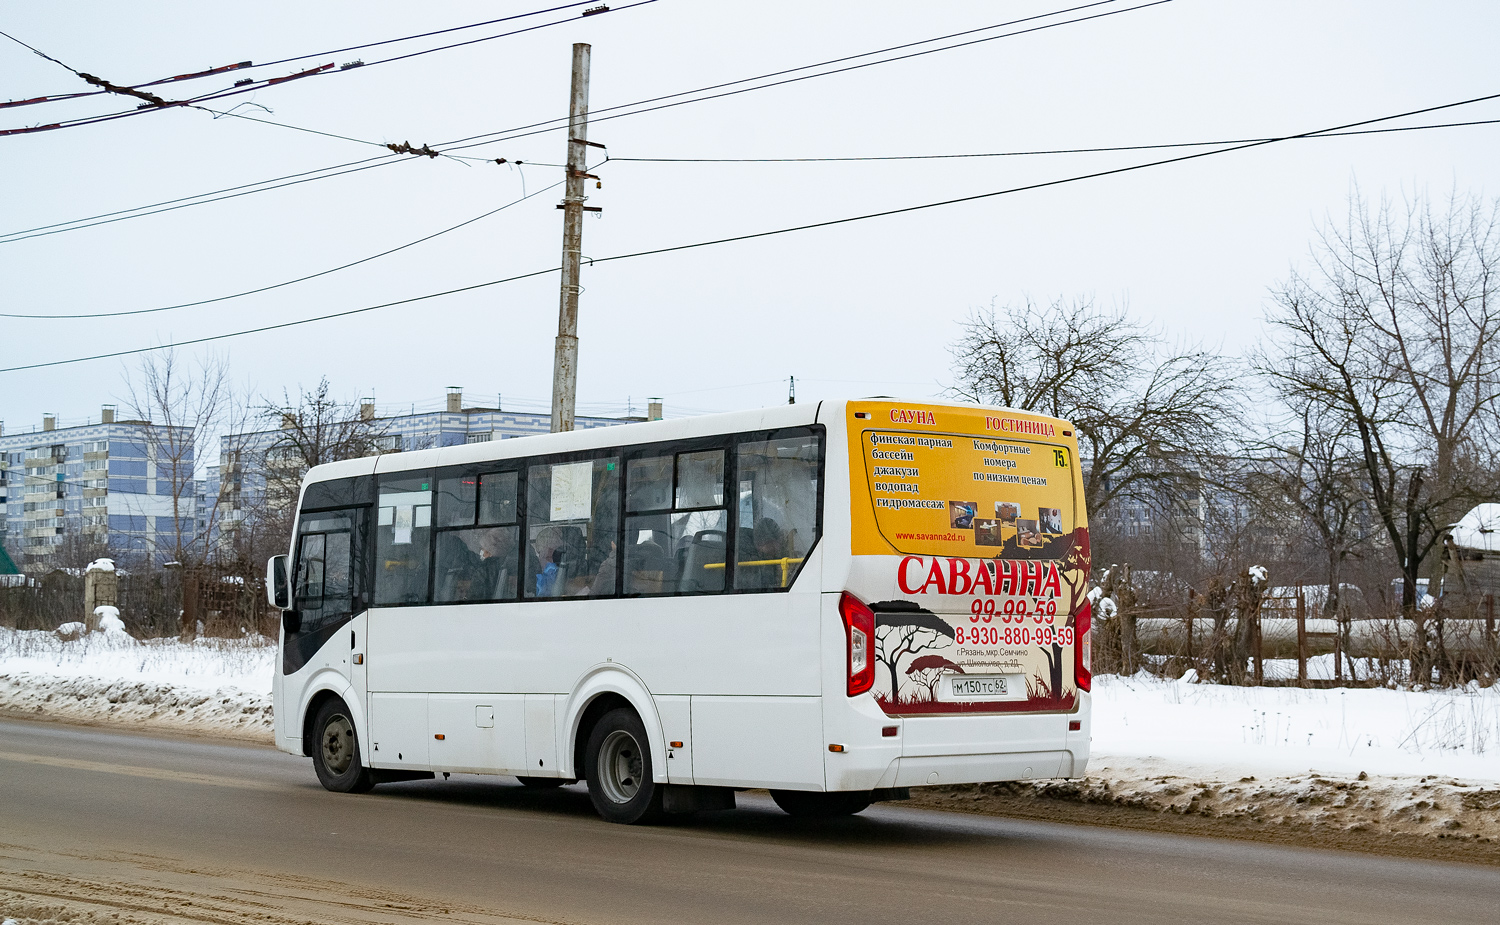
x=102 y=483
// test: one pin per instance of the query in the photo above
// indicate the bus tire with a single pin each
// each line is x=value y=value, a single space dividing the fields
x=541 y=783
x=336 y=751
x=807 y=804
x=618 y=765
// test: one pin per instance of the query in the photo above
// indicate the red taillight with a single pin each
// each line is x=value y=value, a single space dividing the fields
x=859 y=630
x=1083 y=642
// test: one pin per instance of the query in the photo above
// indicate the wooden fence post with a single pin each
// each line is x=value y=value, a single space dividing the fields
x=1301 y=638
x=1125 y=603
x=1260 y=652
x=1192 y=611
x=1338 y=647
x=189 y=604
x=1489 y=632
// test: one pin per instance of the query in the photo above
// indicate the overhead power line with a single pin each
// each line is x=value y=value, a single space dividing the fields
x=774 y=232
x=1041 y=185
x=1040 y=151
x=250 y=85
x=354 y=167
x=404 y=148
x=290 y=282
x=247 y=64
x=339 y=170
x=287 y=324
x=552 y=125
x=424 y=35
x=233 y=192
x=561 y=122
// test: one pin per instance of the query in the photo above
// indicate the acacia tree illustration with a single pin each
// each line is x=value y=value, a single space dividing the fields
x=904 y=633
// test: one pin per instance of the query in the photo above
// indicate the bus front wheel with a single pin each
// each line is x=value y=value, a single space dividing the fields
x=807 y=804
x=618 y=757
x=336 y=751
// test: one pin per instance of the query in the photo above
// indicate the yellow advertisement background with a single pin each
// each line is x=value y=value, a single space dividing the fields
x=947 y=474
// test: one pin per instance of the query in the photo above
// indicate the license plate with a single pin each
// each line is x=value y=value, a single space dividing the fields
x=983 y=687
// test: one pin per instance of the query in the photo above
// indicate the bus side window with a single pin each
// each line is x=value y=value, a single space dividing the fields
x=681 y=547
x=311 y=550
x=572 y=515
x=403 y=539
x=777 y=511
x=476 y=563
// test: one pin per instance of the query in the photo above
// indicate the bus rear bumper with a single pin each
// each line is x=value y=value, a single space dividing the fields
x=932 y=751
x=940 y=770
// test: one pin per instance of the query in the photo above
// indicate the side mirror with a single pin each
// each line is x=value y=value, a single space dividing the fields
x=278 y=585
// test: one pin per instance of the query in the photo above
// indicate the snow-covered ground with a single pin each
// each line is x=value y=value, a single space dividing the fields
x=1229 y=732
x=218 y=686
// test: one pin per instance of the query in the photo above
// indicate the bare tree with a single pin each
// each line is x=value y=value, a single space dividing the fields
x=311 y=429
x=181 y=408
x=1395 y=334
x=1307 y=481
x=1150 y=416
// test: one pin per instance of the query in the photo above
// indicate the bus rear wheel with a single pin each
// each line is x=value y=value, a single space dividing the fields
x=335 y=751
x=618 y=765
x=806 y=804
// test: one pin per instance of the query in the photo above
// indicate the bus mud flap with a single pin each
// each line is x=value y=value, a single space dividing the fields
x=886 y=794
x=683 y=798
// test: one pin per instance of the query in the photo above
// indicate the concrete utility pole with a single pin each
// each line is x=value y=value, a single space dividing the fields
x=565 y=364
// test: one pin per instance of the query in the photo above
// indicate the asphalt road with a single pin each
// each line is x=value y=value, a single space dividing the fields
x=99 y=824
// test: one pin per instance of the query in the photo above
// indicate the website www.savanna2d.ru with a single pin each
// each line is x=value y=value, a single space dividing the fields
x=937 y=537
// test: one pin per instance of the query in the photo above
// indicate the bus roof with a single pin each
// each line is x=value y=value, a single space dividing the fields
x=776 y=416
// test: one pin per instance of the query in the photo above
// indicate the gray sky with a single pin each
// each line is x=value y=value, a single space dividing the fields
x=855 y=309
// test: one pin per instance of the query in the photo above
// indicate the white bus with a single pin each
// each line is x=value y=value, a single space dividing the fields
x=836 y=602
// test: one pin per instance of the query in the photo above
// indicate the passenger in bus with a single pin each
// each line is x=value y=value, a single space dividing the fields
x=771 y=545
x=497 y=552
x=551 y=554
x=647 y=565
x=604 y=580
x=546 y=579
x=456 y=564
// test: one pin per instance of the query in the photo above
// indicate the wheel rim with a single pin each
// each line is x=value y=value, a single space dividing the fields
x=338 y=744
x=621 y=766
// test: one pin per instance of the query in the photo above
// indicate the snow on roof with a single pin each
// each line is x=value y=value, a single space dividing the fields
x=1479 y=529
x=101 y=565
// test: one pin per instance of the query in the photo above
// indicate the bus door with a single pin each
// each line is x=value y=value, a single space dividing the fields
x=329 y=591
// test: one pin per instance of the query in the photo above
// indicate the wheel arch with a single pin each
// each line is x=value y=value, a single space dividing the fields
x=320 y=690
x=602 y=689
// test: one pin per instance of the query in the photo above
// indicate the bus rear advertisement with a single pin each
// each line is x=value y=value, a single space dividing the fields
x=974 y=517
x=836 y=602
